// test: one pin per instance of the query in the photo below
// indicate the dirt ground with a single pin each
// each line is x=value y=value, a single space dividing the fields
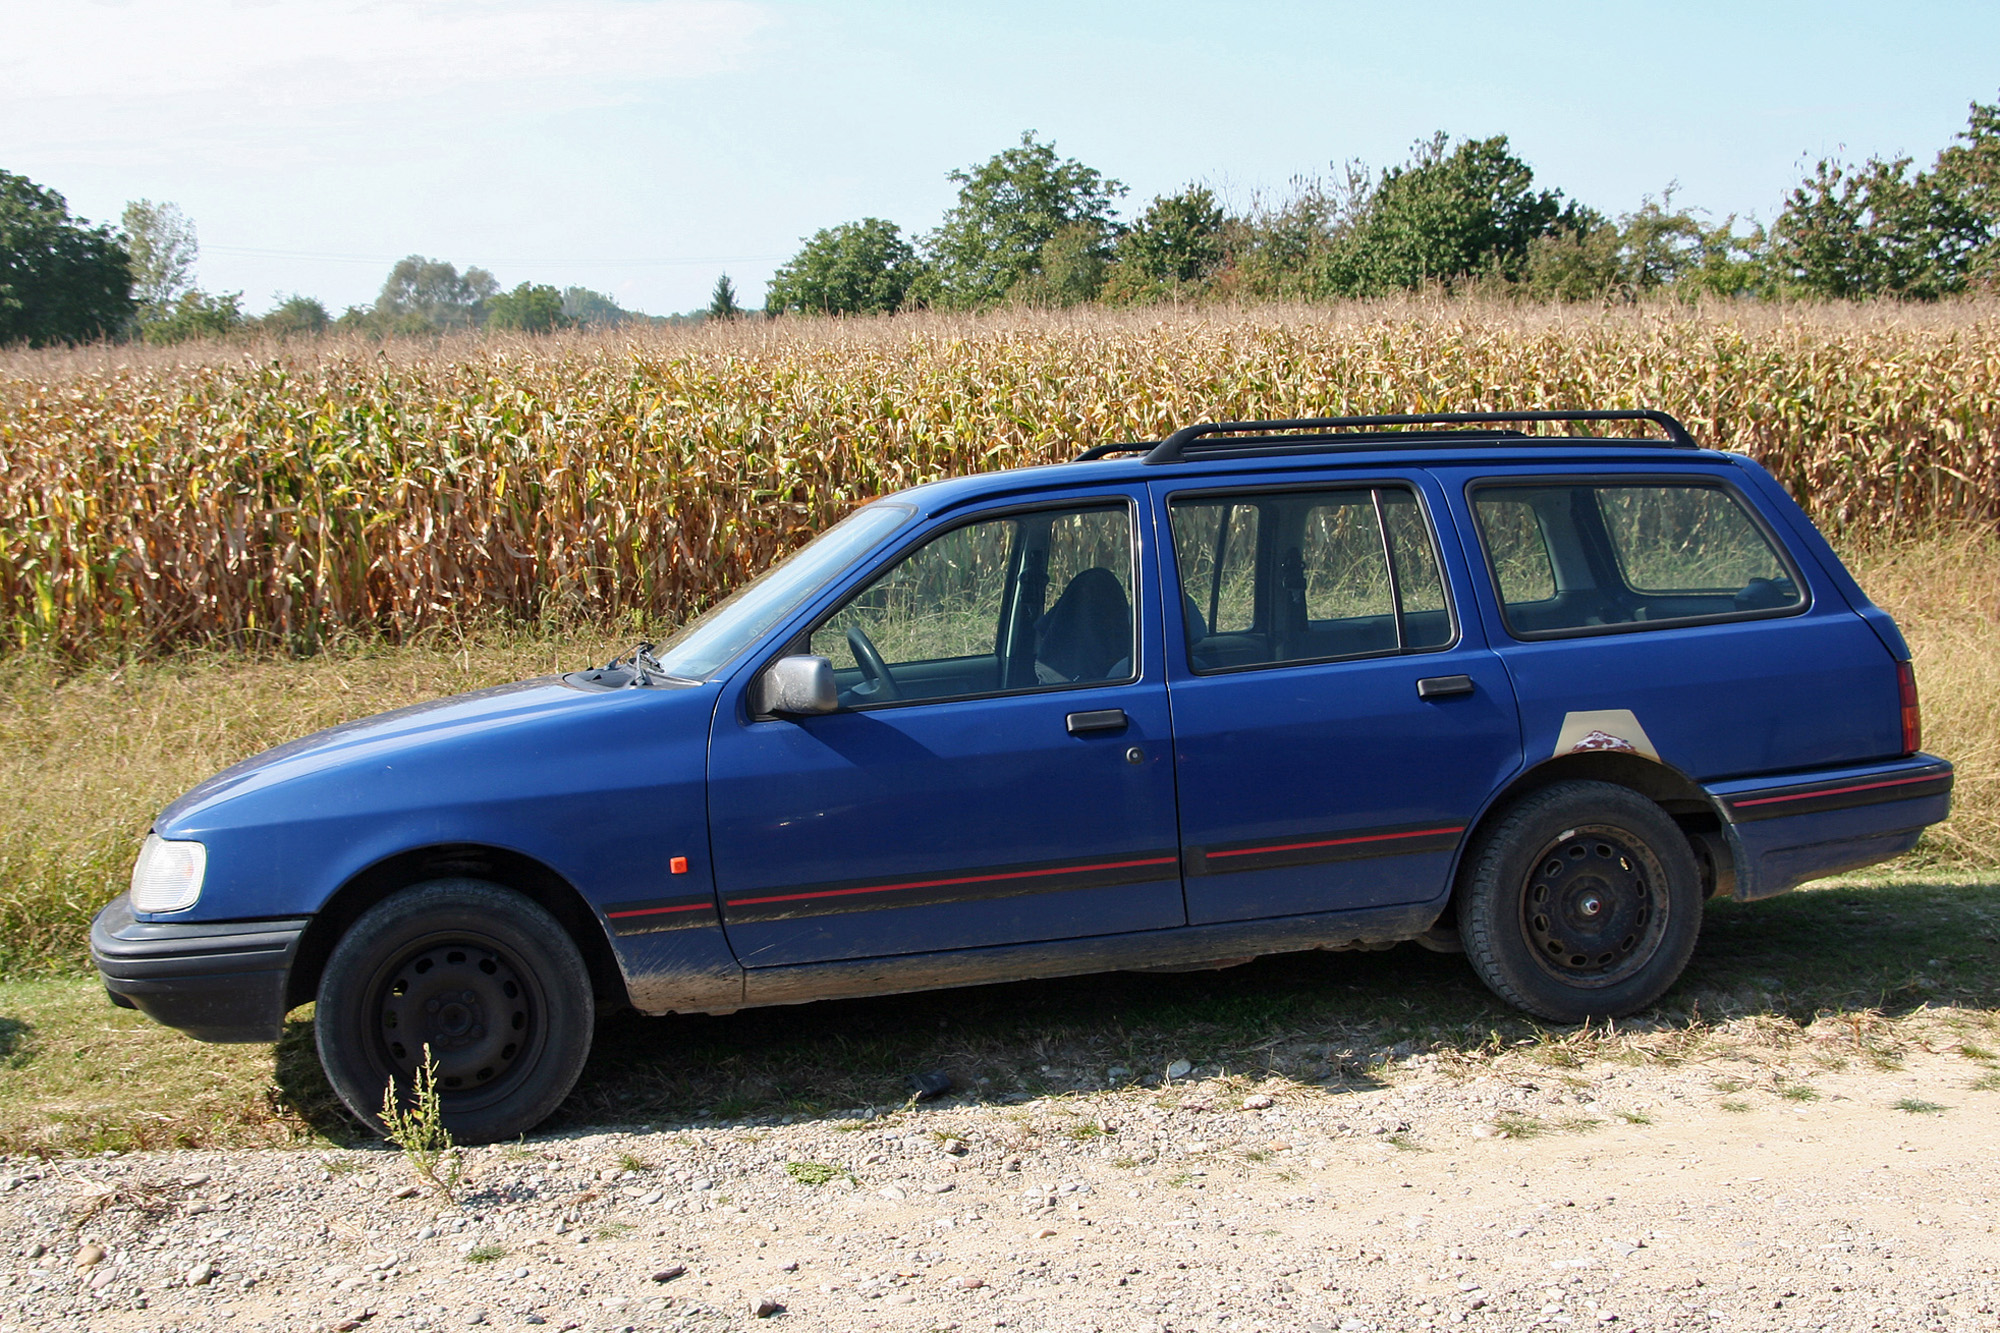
x=1817 y=1184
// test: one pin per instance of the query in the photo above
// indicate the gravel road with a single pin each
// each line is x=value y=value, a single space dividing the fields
x=1731 y=1192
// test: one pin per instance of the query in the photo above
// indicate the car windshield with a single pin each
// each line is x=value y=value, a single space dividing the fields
x=709 y=642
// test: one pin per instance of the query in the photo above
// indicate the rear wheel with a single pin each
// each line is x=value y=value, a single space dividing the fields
x=1582 y=901
x=483 y=978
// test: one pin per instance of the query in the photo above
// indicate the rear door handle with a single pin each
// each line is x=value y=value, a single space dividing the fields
x=1104 y=719
x=1439 y=687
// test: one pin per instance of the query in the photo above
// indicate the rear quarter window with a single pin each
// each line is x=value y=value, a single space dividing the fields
x=1608 y=556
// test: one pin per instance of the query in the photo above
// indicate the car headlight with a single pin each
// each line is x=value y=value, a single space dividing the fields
x=168 y=875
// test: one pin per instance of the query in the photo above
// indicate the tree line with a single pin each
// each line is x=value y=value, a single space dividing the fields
x=1031 y=227
x=63 y=280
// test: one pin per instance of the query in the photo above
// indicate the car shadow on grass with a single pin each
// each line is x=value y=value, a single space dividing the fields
x=1321 y=1018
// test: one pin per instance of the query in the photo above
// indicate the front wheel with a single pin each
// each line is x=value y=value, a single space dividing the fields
x=1582 y=901
x=485 y=979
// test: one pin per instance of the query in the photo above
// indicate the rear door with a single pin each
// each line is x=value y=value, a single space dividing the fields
x=1337 y=722
x=1010 y=781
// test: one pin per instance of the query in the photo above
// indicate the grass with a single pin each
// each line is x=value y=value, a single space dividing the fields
x=485 y=1254
x=1918 y=1106
x=816 y=1173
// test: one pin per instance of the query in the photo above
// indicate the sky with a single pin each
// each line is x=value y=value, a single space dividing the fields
x=642 y=147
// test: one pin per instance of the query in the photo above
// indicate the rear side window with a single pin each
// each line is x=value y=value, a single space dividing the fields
x=1307 y=576
x=1607 y=556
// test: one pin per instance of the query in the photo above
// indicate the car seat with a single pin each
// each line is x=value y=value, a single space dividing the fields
x=1087 y=634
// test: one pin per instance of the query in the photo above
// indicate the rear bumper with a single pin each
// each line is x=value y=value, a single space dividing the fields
x=214 y=980
x=1800 y=826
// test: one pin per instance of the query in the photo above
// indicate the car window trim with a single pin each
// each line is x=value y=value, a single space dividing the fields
x=1114 y=500
x=1532 y=480
x=1431 y=539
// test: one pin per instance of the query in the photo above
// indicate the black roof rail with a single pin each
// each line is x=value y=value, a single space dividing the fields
x=1106 y=450
x=1174 y=449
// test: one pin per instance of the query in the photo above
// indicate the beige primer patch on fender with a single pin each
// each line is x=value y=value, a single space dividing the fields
x=1604 y=729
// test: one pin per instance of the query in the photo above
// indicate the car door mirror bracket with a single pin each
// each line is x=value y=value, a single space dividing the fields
x=797 y=686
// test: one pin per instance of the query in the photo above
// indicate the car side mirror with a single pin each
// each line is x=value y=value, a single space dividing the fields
x=797 y=686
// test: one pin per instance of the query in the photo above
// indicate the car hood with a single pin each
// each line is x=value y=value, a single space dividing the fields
x=381 y=737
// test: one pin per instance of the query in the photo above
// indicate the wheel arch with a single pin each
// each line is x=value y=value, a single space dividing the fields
x=1685 y=801
x=498 y=865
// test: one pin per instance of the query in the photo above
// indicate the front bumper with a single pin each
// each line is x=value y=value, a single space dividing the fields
x=214 y=980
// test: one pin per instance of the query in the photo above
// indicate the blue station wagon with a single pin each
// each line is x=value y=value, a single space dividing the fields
x=1256 y=687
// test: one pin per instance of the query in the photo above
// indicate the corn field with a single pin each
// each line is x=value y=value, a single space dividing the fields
x=279 y=496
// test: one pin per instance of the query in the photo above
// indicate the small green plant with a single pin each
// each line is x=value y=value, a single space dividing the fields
x=1798 y=1092
x=1731 y=1104
x=340 y=1166
x=1918 y=1106
x=1256 y=1155
x=1404 y=1143
x=1181 y=1179
x=613 y=1230
x=1972 y=1052
x=1519 y=1126
x=1728 y=1085
x=1085 y=1130
x=627 y=1162
x=1577 y=1124
x=816 y=1173
x=1987 y=1082
x=484 y=1254
x=1634 y=1117
x=1125 y=1163
x=420 y=1132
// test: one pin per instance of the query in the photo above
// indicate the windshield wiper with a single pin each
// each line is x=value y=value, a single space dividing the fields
x=646 y=666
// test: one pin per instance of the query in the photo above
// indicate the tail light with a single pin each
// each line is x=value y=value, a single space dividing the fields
x=1913 y=720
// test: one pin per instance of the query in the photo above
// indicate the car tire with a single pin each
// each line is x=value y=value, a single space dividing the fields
x=483 y=976
x=1581 y=901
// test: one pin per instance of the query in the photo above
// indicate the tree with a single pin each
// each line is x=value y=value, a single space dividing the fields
x=588 y=309
x=1450 y=214
x=722 y=301
x=430 y=296
x=1069 y=268
x=61 y=280
x=856 y=268
x=1881 y=229
x=1178 y=239
x=161 y=240
x=295 y=317
x=1008 y=209
x=194 y=314
x=529 y=308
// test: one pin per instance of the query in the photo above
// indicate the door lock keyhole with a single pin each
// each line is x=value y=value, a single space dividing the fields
x=1135 y=755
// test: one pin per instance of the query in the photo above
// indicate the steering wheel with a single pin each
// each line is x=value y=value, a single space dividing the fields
x=871 y=664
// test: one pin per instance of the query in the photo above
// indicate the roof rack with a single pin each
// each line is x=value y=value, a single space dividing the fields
x=1273 y=436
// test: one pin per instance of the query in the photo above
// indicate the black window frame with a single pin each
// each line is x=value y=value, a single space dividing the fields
x=1708 y=481
x=1373 y=487
x=801 y=641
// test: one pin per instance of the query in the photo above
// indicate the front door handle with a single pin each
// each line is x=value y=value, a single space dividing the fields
x=1439 y=687
x=1104 y=719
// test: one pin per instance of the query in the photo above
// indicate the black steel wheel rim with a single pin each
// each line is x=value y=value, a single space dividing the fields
x=473 y=1002
x=1594 y=907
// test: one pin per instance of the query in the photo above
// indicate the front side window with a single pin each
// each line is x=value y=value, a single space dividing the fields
x=1307 y=576
x=1576 y=557
x=1024 y=601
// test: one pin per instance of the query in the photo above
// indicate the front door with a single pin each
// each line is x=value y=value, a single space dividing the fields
x=1337 y=730
x=999 y=771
